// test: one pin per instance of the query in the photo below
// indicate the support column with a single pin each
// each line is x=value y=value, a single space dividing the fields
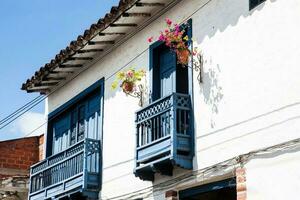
x=241 y=183
x=171 y=195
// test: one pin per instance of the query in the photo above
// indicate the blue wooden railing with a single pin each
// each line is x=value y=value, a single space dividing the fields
x=74 y=169
x=164 y=136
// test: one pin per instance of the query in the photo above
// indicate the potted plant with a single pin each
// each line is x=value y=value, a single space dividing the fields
x=129 y=82
x=176 y=39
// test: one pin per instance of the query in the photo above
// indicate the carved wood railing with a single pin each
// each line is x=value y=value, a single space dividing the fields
x=164 y=130
x=77 y=167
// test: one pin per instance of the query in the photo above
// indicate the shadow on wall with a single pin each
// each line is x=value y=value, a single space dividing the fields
x=226 y=14
x=212 y=91
x=224 y=17
x=223 y=14
x=211 y=88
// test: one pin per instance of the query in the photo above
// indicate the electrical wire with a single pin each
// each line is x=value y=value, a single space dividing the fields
x=16 y=114
x=241 y=159
x=225 y=167
x=19 y=110
x=29 y=133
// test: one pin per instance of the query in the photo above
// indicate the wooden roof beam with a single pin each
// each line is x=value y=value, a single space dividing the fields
x=50 y=81
x=89 y=50
x=80 y=58
x=38 y=88
x=136 y=15
x=111 y=33
x=101 y=42
x=53 y=79
x=123 y=25
x=42 y=91
x=45 y=84
x=140 y=4
x=70 y=65
x=62 y=74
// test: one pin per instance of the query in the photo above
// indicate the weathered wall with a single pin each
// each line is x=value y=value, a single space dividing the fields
x=14 y=188
x=249 y=97
x=16 y=157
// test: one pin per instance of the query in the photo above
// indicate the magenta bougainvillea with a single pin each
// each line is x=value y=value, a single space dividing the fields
x=176 y=39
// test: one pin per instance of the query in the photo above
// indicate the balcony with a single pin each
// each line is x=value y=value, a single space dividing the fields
x=164 y=137
x=73 y=172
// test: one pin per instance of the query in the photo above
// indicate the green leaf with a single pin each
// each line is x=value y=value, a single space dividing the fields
x=114 y=85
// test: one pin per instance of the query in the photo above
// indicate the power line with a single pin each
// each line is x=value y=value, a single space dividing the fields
x=44 y=97
x=106 y=79
x=35 y=129
x=21 y=113
x=230 y=165
x=19 y=110
x=8 y=120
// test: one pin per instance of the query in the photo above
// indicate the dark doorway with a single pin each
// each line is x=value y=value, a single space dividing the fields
x=221 y=190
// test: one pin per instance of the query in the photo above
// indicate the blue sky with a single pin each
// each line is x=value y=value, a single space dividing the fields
x=32 y=32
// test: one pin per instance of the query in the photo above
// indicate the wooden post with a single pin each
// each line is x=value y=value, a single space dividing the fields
x=171 y=195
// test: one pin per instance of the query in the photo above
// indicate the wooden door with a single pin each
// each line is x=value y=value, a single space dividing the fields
x=167 y=66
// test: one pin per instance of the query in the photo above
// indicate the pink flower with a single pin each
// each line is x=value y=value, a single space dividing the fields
x=162 y=37
x=150 y=39
x=177 y=28
x=176 y=33
x=168 y=21
x=129 y=73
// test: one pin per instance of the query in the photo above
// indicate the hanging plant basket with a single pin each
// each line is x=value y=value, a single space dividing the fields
x=129 y=82
x=128 y=86
x=176 y=39
x=183 y=56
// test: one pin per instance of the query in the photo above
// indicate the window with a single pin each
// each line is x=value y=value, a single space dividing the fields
x=254 y=3
x=79 y=118
x=225 y=190
x=167 y=75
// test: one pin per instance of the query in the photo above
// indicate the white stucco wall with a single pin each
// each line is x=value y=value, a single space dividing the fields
x=249 y=98
x=274 y=177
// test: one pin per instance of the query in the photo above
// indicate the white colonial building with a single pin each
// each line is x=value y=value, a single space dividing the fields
x=225 y=128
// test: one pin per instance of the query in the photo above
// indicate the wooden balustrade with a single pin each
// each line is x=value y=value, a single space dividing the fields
x=76 y=168
x=164 y=131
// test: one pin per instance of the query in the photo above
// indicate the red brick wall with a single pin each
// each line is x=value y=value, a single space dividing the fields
x=241 y=184
x=19 y=153
x=171 y=195
x=41 y=147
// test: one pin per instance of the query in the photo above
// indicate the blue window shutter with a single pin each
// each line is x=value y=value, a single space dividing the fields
x=81 y=122
x=61 y=131
x=162 y=70
x=167 y=69
x=93 y=116
x=154 y=72
x=74 y=127
x=68 y=124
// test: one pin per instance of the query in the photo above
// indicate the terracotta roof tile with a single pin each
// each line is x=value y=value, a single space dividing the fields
x=115 y=13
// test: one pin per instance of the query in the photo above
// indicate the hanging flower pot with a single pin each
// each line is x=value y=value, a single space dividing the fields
x=183 y=56
x=176 y=39
x=129 y=81
x=127 y=86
